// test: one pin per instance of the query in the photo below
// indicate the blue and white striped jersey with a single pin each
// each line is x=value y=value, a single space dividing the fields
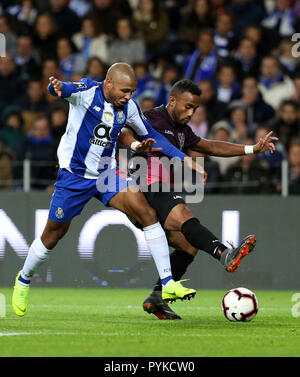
x=88 y=145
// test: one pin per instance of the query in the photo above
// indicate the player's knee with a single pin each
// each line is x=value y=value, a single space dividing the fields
x=185 y=215
x=177 y=217
x=49 y=242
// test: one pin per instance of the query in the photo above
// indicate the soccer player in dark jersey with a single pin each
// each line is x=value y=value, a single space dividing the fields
x=184 y=231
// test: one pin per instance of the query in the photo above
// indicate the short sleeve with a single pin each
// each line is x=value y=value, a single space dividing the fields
x=136 y=120
x=190 y=137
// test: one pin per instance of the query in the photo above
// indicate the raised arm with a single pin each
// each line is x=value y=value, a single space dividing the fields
x=61 y=88
x=225 y=149
x=68 y=89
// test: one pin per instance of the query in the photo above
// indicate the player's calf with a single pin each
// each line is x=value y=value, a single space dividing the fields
x=201 y=238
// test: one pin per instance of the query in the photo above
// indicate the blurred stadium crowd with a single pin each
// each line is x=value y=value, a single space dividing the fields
x=241 y=53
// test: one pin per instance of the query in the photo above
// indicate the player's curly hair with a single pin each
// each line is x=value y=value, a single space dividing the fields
x=183 y=86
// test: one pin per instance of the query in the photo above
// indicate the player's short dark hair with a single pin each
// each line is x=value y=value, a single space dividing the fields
x=185 y=85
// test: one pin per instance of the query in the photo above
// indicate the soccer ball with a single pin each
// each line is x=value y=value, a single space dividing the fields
x=240 y=304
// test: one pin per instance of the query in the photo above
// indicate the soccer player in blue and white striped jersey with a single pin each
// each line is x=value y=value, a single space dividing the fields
x=86 y=154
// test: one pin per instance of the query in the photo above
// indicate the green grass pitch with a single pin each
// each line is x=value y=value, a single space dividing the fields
x=111 y=322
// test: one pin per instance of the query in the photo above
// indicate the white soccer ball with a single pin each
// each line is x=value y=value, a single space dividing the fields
x=240 y=304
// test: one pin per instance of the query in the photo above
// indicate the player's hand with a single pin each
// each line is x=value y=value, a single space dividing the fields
x=146 y=146
x=192 y=164
x=56 y=85
x=266 y=144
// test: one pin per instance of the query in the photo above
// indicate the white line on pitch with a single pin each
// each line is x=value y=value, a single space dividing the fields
x=139 y=334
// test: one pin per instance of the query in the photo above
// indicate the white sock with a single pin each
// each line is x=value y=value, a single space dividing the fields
x=36 y=256
x=158 y=246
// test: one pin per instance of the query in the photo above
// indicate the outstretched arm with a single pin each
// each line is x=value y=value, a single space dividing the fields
x=127 y=138
x=61 y=88
x=225 y=149
x=69 y=90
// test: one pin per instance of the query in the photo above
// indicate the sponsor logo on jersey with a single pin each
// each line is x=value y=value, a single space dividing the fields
x=102 y=131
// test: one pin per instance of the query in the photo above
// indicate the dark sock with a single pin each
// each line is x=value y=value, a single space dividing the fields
x=201 y=238
x=180 y=260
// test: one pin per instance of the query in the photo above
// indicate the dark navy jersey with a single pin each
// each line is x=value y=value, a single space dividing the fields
x=178 y=135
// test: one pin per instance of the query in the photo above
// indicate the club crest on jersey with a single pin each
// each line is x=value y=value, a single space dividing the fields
x=181 y=138
x=101 y=131
x=120 y=116
x=59 y=213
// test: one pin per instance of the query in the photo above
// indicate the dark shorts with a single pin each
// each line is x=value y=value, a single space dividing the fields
x=162 y=202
